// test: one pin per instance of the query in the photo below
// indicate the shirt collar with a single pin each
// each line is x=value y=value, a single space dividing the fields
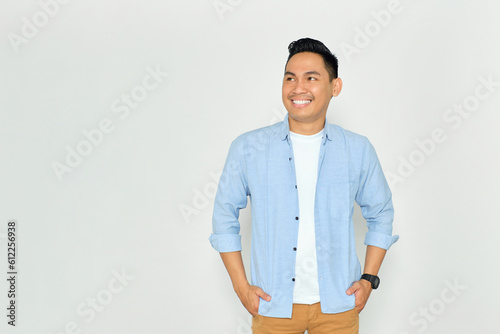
x=285 y=130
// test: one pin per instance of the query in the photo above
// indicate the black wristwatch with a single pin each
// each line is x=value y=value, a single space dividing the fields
x=374 y=280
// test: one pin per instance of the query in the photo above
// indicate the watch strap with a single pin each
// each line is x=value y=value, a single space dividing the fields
x=373 y=279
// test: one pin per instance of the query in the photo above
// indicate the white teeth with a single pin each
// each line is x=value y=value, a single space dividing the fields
x=301 y=101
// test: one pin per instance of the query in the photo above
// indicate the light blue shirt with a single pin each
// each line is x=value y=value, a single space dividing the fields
x=260 y=166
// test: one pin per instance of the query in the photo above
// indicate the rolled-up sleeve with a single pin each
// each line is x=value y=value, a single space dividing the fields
x=231 y=196
x=375 y=200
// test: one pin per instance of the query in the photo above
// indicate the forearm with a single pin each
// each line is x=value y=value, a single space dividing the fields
x=234 y=266
x=363 y=288
x=373 y=260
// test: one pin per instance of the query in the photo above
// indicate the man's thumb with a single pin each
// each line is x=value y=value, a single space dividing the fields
x=263 y=295
x=351 y=290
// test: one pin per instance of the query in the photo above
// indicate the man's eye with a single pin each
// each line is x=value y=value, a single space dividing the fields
x=312 y=78
x=289 y=79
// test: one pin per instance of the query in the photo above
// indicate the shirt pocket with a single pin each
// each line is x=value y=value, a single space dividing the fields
x=341 y=200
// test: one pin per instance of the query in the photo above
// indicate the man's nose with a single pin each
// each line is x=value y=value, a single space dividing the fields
x=300 y=87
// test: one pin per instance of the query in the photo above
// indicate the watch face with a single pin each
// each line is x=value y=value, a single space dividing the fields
x=375 y=282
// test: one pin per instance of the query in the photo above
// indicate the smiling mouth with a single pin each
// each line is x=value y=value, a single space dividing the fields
x=301 y=102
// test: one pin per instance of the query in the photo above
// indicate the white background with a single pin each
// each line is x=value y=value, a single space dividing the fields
x=140 y=202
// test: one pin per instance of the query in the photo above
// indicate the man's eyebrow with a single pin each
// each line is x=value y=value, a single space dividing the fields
x=313 y=72
x=307 y=73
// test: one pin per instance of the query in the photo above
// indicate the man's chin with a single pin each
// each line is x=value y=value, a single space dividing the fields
x=304 y=116
x=300 y=113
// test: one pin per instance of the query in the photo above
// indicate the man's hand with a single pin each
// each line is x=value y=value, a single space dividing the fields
x=362 y=290
x=248 y=294
x=250 y=297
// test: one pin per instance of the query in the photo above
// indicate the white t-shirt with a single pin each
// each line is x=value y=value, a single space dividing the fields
x=306 y=154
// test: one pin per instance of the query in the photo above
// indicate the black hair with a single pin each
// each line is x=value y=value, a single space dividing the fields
x=312 y=45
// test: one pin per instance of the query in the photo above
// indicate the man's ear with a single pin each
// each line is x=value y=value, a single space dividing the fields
x=337 y=86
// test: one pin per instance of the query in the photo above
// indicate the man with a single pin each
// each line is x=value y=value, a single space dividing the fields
x=302 y=176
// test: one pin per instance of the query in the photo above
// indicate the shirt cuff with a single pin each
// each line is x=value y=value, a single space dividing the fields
x=380 y=240
x=226 y=242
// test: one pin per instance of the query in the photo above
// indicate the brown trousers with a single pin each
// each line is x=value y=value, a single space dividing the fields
x=310 y=318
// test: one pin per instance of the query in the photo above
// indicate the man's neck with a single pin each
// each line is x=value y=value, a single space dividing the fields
x=304 y=128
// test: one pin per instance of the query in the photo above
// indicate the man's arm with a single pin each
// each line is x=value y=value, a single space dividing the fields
x=375 y=200
x=231 y=196
x=249 y=295
x=373 y=261
x=362 y=288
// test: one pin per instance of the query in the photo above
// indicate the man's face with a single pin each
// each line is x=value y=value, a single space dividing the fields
x=307 y=89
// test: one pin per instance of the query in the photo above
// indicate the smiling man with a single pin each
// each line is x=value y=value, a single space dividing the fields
x=302 y=176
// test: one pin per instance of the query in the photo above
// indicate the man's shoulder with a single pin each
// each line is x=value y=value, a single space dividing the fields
x=262 y=134
x=348 y=136
x=259 y=134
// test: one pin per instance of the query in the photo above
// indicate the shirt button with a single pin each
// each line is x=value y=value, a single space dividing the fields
x=290 y=159
x=296 y=218
x=294 y=248
x=293 y=279
x=295 y=186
